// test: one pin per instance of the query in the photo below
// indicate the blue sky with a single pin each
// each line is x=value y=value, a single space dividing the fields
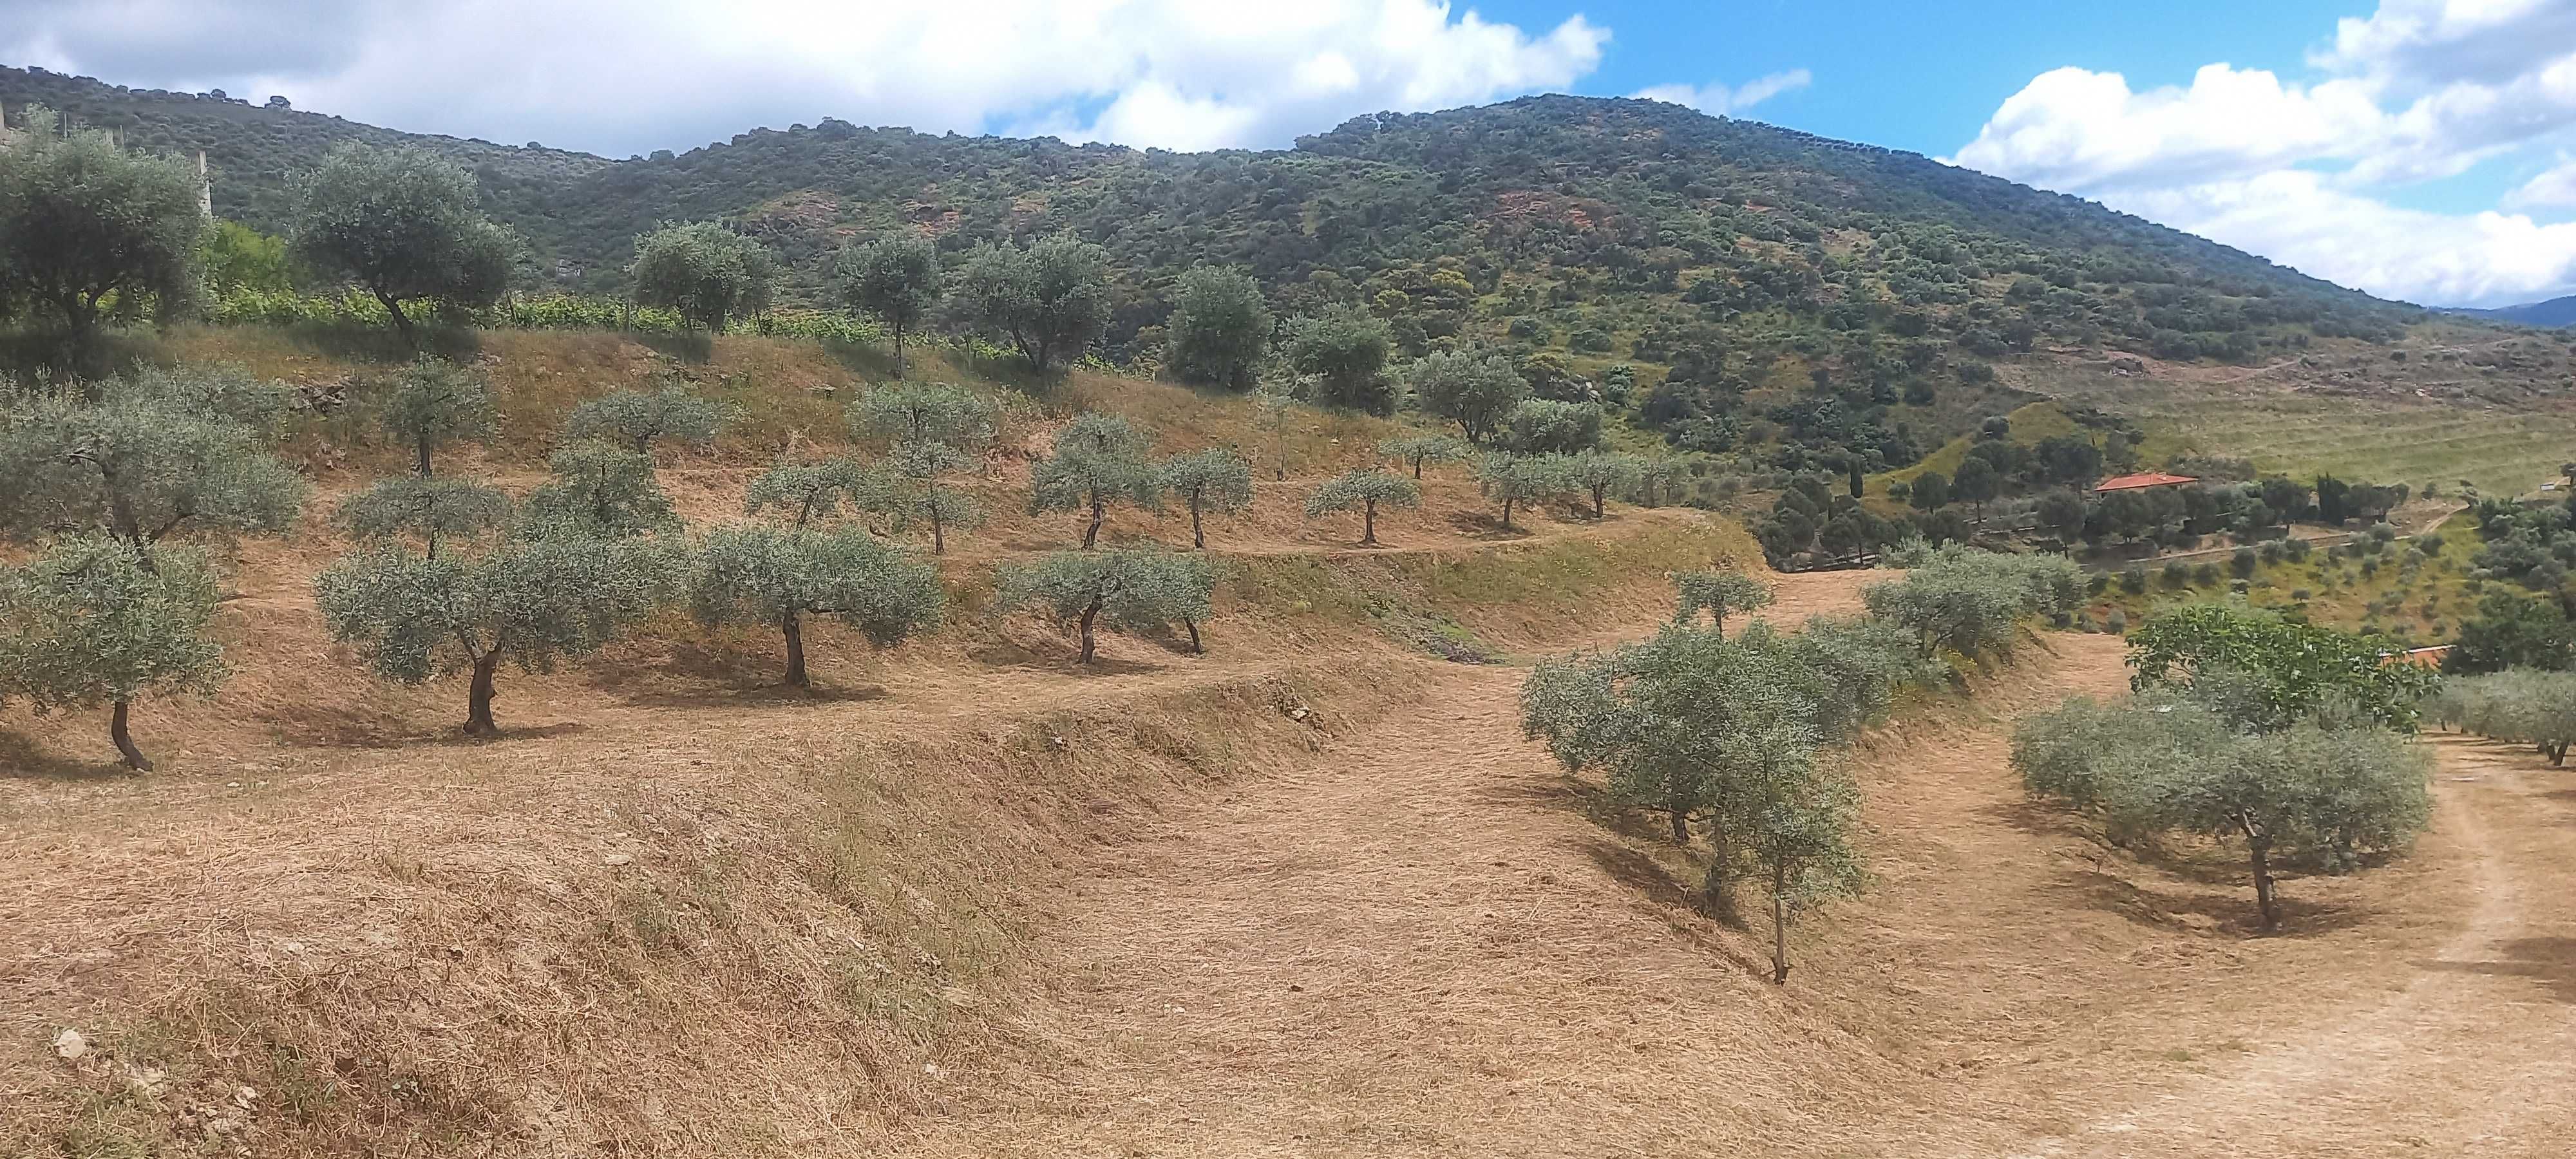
x=2419 y=149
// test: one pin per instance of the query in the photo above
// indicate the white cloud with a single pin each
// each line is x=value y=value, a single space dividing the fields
x=1724 y=100
x=618 y=76
x=2419 y=90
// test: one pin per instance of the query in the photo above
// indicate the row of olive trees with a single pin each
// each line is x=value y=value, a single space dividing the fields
x=2518 y=705
x=2246 y=727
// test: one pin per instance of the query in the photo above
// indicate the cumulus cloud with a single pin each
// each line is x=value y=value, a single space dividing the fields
x=618 y=76
x=1725 y=100
x=2419 y=90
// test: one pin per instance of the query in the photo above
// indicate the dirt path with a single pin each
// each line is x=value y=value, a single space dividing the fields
x=2475 y=1055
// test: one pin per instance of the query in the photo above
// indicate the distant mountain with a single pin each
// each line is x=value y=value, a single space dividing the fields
x=2554 y=312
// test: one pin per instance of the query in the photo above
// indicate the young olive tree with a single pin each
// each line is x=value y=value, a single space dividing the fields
x=635 y=418
x=144 y=457
x=1973 y=602
x=84 y=224
x=1220 y=326
x=1475 y=389
x=1522 y=480
x=403 y=225
x=805 y=495
x=533 y=602
x=896 y=279
x=708 y=273
x=434 y=402
x=1050 y=299
x=420 y=508
x=1214 y=479
x=1415 y=450
x=1720 y=594
x=1600 y=472
x=1366 y=490
x=1132 y=590
x=598 y=492
x=936 y=431
x=93 y=622
x=1099 y=460
x=1797 y=830
x=762 y=573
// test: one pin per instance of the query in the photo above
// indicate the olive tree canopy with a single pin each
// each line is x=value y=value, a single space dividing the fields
x=403 y=225
x=93 y=622
x=708 y=273
x=82 y=221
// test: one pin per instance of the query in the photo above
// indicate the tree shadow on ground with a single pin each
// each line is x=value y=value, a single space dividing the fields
x=694 y=347
x=2231 y=914
x=1477 y=525
x=20 y=759
x=2548 y=961
x=772 y=695
x=355 y=342
x=1060 y=662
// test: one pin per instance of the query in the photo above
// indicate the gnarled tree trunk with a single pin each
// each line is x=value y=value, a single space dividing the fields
x=792 y=625
x=116 y=731
x=478 y=697
x=1088 y=614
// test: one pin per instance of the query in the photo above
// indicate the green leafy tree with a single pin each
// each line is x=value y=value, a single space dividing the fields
x=2281 y=672
x=1131 y=590
x=84 y=223
x=418 y=507
x=1542 y=426
x=598 y=491
x=2513 y=631
x=807 y=495
x=434 y=402
x=2063 y=513
x=1720 y=594
x=92 y=622
x=2517 y=705
x=936 y=431
x=1475 y=389
x=531 y=602
x=635 y=418
x=705 y=272
x=1797 y=830
x=1220 y=326
x=1931 y=491
x=1099 y=460
x=1522 y=480
x=1216 y=479
x=1365 y=490
x=1050 y=299
x=232 y=257
x=403 y=225
x=1600 y=472
x=147 y=456
x=1415 y=450
x=1971 y=602
x=1976 y=483
x=763 y=573
x=897 y=279
x=1345 y=350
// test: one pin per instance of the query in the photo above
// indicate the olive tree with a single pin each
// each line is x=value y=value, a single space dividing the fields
x=1973 y=602
x=1542 y=426
x=1475 y=389
x=1220 y=326
x=598 y=491
x=811 y=494
x=636 y=418
x=1050 y=299
x=2517 y=705
x=766 y=573
x=433 y=402
x=93 y=622
x=1415 y=450
x=1600 y=472
x=1522 y=480
x=1720 y=594
x=1131 y=590
x=896 y=279
x=1345 y=351
x=705 y=272
x=936 y=431
x=532 y=602
x=147 y=456
x=1797 y=830
x=1099 y=459
x=417 y=507
x=1214 y=479
x=1365 y=489
x=403 y=225
x=84 y=224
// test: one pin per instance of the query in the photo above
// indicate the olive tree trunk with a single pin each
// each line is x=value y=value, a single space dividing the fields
x=794 y=627
x=116 y=731
x=1099 y=515
x=478 y=696
x=1088 y=615
x=1780 y=923
x=1368 y=523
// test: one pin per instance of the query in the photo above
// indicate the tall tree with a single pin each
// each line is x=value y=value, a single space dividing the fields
x=1540 y=426
x=403 y=225
x=1099 y=460
x=936 y=431
x=83 y=222
x=433 y=402
x=1132 y=590
x=1365 y=489
x=1050 y=299
x=897 y=279
x=1976 y=482
x=1216 y=479
x=141 y=458
x=1219 y=328
x=1472 y=388
x=1345 y=350
x=708 y=273
x=91 y=622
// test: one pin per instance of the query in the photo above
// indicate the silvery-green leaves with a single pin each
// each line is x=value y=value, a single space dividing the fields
x=92 y=622
x=759 y=573
x=1135 y=590
x=146 y=456
x=1368 y=486
x=634 y=419
x=533 y=601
